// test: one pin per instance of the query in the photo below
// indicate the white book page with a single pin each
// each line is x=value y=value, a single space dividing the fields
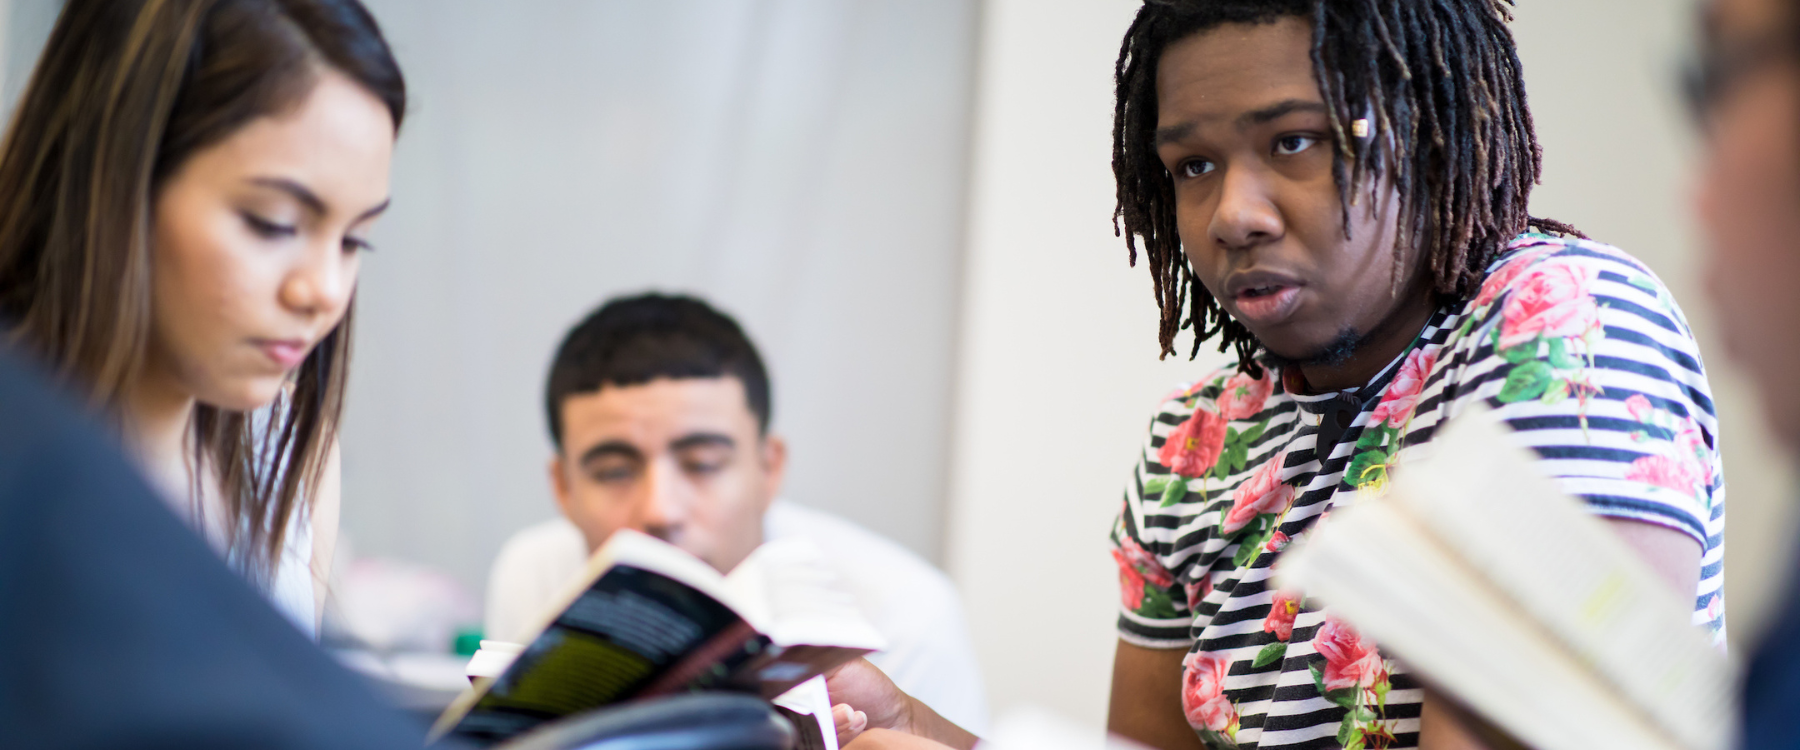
x=789 y=592
x=1565 y=568
x=811 y=698
x=1380 y=571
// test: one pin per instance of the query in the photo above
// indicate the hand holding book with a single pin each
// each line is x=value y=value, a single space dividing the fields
x=861 y=688
x=648 y=619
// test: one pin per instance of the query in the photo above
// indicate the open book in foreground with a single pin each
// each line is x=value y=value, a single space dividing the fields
x=1497 y=588
x=648 y=619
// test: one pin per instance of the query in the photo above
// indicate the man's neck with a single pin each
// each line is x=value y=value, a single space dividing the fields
x=1387 y=340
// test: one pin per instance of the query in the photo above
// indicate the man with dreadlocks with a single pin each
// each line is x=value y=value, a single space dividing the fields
x=1337 y=190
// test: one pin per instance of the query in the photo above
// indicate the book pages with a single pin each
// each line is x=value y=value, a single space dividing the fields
x=1376 y=568
x=1570 y=572
x=788 y=591
x=1492 y=584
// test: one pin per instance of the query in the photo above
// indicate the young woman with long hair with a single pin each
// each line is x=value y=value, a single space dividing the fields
x=186 y=189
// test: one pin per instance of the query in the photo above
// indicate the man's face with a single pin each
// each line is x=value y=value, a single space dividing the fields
x=1749 y=200
x=679 y=459
x=1244 y=133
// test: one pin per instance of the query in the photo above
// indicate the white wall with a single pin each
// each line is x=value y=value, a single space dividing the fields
x=1057 y=370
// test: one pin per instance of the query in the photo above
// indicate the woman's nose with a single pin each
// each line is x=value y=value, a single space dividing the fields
x=321 y=282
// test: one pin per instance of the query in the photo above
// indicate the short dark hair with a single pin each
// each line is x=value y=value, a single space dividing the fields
x=637 y=339
x=1440 y=78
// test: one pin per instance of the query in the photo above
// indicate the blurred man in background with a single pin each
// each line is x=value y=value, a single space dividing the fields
x=1746 y=93
x=659 y=410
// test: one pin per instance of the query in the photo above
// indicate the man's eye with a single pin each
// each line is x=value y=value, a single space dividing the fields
x=612 y=474
x=1288 y=145
x=703 y=468
x=1195 y=167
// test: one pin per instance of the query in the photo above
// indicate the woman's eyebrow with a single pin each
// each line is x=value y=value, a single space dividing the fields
x=310 y=199
x=300 y=192
x=379 y=207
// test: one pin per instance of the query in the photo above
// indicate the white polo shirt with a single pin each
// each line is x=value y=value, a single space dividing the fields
x=913 y=604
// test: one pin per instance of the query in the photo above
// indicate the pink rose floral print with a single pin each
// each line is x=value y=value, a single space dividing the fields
x=1356 y=677
x=1143 y=581
x=1206 y=446
x=1283 y=608
x=1203 y=699
x=1682 y=466
x=1575 y=344
x=1381 y=437
x=1549 y=327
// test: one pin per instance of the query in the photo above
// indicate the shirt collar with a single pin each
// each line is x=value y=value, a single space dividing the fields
x=1317 y=403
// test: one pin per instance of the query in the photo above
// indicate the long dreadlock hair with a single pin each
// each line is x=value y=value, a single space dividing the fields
x=1441 y=82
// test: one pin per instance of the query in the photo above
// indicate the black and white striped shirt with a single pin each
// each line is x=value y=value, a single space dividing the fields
x=1579 y=348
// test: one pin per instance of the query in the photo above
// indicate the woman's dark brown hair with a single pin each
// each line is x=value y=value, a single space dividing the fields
x=1440 y=77
x=125 y=92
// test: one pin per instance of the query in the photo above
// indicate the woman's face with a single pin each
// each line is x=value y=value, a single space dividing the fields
x=257 y=240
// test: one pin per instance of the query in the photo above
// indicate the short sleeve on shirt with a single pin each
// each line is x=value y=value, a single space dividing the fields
x=1587 y=357
x=1157 y=597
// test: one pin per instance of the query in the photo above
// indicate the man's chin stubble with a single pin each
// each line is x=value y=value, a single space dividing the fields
x=1334 y=352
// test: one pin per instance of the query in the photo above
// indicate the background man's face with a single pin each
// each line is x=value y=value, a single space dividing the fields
x=1749 y=200
x=680 y=459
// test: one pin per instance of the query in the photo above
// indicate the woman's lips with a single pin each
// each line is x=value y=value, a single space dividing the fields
x=1266 y=306
x=285 y=354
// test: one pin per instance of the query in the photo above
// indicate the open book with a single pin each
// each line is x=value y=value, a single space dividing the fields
x=648 y=619
x=1491 y=584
